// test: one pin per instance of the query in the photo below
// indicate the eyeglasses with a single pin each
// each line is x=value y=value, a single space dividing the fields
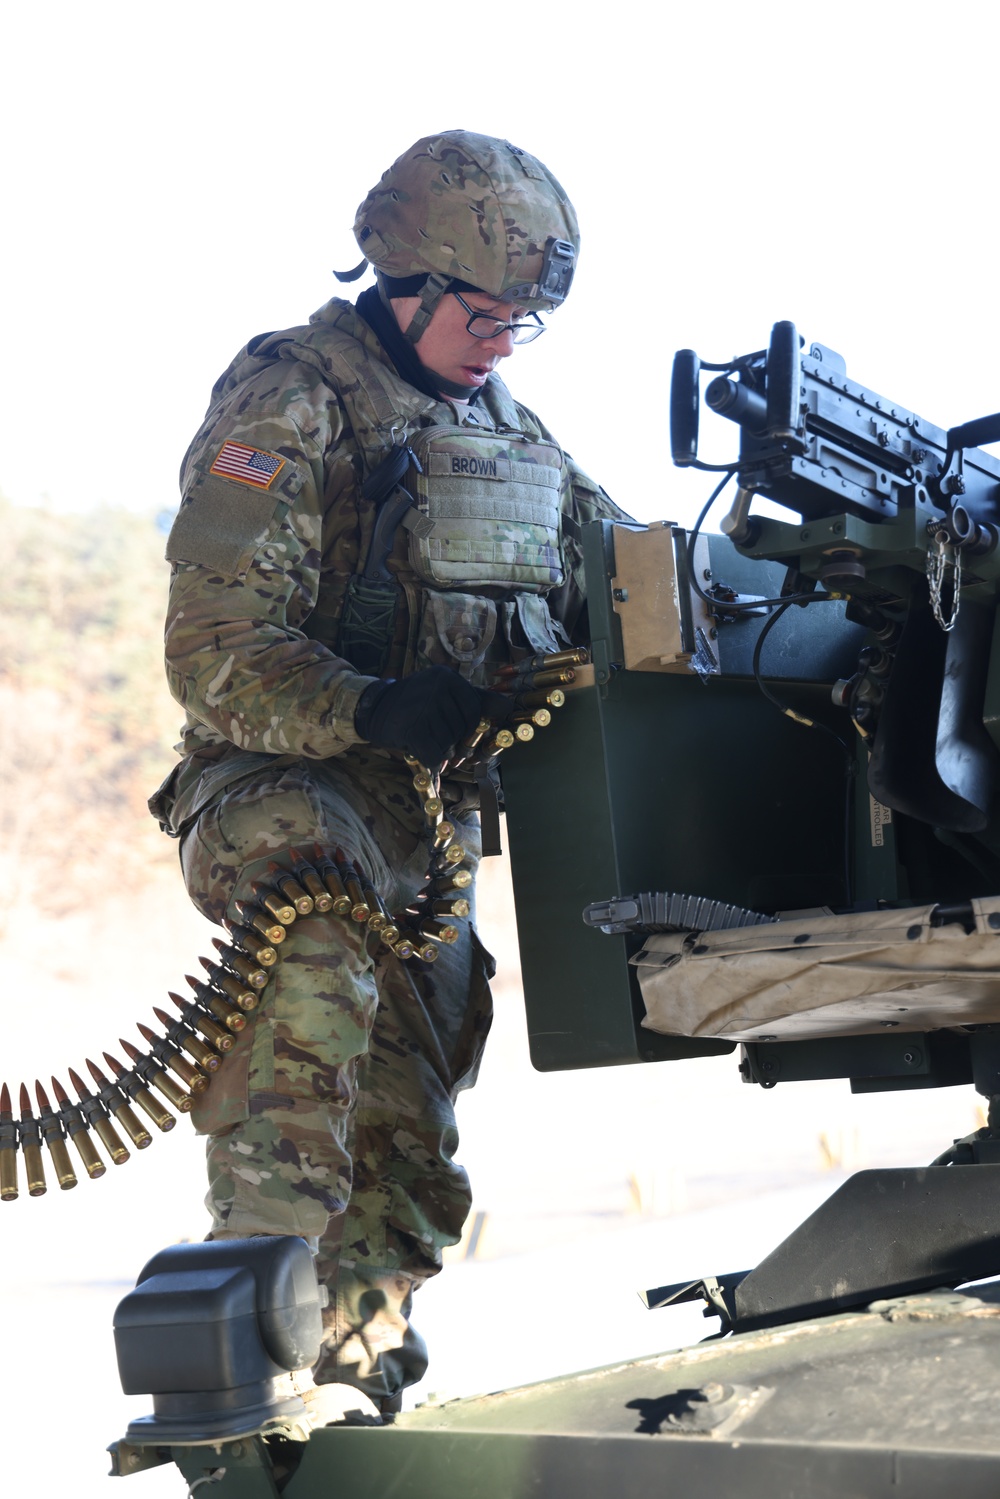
x=485 y=325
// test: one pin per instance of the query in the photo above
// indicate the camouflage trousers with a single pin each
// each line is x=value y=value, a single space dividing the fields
x=333 y=1116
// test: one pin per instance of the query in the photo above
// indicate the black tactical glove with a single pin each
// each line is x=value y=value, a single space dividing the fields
x=426 y=715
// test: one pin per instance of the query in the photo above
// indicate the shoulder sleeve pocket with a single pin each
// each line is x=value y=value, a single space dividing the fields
x=221 y=524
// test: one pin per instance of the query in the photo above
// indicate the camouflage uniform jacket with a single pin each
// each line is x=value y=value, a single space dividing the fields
x=261 y=562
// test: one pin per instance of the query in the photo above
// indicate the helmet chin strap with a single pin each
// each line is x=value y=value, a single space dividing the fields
x=435 y=288
x=453 y=389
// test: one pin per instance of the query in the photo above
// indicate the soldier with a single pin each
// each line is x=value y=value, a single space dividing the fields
x=370 y=525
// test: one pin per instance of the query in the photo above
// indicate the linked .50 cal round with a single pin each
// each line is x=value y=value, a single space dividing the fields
x=147 y=1068
x=94 y=1112
x=52 y=1133
x=114 y=1100
x=79 y=1132
x=278 y=907
x=171 y=1057
x=321 y=898
x=140 y=1094
x=31 y=1147
x=251 y=974
x=8 y=1148
x=272 y=930
x=292 y=891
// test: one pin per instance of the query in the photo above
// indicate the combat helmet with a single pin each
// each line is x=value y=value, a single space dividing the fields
x=459 y=210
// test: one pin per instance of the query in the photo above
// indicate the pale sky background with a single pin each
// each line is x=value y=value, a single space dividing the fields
x=178 y=178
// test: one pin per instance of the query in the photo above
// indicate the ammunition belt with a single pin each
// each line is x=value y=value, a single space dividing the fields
x=193 y=1044
x=668 y=911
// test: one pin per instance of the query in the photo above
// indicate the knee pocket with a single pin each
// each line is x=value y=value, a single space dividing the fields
x=303 y=1042
x=260 y=821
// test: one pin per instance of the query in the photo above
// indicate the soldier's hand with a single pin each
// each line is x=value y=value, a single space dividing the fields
x=426 y=715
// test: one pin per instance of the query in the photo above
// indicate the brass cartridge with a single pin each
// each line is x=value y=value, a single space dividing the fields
x=8 y=1148
x=254 y=916
x=456 y=906
x=78 y=1130
x=131 y=1084
x=278 y=907
x=422 y=778
x=525 y=732
x=338 y=894
x=438 y=931
x=216 y=1035
x=577 y=655
x=468 y=744
x=423 y=948
x=243 y=997
x=456 y=879
x=360 y=910
x=400 y=945
x=252 y=943
x=291 y=890
x=181 y=1035
x=379 y=917
x=31 y=1147
x=52 y=1133
x=501 y=740
x=96 y=1116
x=390 y=932
x=341 y=901
x=218 y=1005
x=146 y=1068
x=553 y=697
x=321 y=898
x=559 y=677
x=540 y=717
x=448 y=858
x=252 y=975
x=443 y=835
x=116 y=1102
x=169 y=1055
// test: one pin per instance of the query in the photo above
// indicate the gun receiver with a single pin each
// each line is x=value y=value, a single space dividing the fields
x=822 y=444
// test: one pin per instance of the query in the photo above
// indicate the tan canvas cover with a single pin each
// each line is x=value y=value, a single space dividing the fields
x=824 y=975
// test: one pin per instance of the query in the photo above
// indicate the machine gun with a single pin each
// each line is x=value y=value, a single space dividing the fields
x=900 y=518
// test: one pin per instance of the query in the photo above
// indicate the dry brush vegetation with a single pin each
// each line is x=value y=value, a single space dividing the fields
x=86 y=722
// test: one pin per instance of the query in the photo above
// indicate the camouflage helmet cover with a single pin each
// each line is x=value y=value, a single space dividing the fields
x=474 y=209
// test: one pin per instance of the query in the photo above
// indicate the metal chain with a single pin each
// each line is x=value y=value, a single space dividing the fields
x=937 y=563
x=216 y=1476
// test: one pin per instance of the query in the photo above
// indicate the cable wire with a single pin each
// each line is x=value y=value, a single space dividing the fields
x=850 y=764
x=720 y=606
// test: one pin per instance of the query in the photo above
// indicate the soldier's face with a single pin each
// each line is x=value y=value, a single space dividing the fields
x=446 y=347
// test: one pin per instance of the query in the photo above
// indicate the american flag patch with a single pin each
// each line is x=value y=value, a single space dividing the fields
x=247 y=465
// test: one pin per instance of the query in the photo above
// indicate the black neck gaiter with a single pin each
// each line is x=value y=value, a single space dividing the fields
x=383 y=324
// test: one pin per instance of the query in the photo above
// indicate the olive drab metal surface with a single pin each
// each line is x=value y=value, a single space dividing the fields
x=653 y=781
x=798 y=716
x=890 y=1401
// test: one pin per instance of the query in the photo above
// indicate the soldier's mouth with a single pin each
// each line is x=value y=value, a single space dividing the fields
x=476 y=373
